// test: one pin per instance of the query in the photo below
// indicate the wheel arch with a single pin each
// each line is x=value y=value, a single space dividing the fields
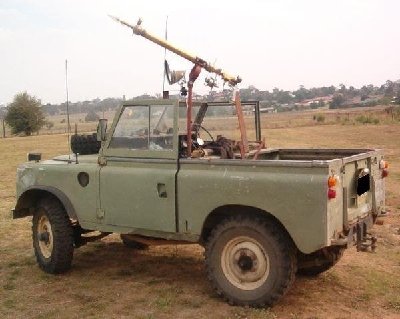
x=31 y=196
x=225 y=211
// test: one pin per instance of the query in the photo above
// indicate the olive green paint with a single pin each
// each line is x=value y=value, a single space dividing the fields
x=154 y=193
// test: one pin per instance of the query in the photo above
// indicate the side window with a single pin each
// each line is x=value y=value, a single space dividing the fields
x=132 y=130
x=144 y=128
x=161 y=127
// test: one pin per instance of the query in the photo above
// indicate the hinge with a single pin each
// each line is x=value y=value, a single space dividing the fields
x=102 y=161
x=100 y=213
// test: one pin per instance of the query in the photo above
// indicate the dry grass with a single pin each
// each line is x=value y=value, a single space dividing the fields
x=60 y=123
x=109 y=280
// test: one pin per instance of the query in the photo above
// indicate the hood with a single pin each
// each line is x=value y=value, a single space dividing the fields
x=81 y=158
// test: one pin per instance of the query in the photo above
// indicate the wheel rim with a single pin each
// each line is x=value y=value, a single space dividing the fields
x=45 y=236
x=245 y=263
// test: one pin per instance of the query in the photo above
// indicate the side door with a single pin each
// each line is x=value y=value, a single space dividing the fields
x=137 y=182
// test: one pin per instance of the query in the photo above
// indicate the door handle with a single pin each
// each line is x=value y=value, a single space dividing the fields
x=162 y=190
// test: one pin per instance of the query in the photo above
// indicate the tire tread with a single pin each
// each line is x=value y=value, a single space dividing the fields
x=63 y=240
x=286 y=247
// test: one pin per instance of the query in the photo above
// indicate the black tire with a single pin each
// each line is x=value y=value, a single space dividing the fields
x=53 y=238
x=320 y=262
x=133 y=243
x=262 y=263
x=85 y=144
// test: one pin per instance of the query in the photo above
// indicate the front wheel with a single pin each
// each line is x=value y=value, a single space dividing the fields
x=250 y=262
x=52 y=235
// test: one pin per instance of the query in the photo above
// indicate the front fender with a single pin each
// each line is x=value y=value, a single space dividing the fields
x=28 y=200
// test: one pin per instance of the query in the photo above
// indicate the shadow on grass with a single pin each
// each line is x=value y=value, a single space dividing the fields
x=160 y=264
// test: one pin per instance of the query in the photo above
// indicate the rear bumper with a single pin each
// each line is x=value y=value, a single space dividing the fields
x=357 y=233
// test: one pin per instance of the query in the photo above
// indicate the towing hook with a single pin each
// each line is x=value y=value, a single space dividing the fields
x=368 y=241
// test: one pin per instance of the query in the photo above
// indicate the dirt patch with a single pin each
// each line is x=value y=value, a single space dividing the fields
x=109 y=280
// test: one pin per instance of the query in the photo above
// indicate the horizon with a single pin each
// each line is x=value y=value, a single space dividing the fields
x=216 y=91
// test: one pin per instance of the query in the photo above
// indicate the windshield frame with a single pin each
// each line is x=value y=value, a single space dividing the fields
x=204 y=106
x=171 y=153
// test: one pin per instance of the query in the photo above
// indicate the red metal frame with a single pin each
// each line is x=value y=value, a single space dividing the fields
x=194 y=74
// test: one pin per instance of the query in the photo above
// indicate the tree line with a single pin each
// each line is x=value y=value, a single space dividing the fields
x=387 y=93
x=26 y=114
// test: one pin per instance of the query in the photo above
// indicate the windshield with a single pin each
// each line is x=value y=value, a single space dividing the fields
x=147 y=127
x=212 y=120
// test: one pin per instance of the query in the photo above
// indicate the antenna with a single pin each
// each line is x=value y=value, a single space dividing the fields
x=165 y=53
x=68 y=125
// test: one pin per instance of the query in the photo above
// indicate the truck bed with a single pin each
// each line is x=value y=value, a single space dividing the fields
x=313 y=154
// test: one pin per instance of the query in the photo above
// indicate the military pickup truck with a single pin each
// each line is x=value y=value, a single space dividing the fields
x=261 y=218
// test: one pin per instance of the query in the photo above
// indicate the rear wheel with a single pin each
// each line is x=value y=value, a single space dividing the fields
x=52 y=235
x=320 y=261
x=250 y=262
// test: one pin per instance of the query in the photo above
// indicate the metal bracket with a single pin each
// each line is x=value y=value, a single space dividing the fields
x=100 y=213
x=367 y=242
x=102 y=161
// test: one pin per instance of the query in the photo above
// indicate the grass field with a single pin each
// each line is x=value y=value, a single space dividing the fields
x=109 y=280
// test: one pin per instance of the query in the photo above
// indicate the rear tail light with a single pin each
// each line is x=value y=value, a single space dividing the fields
x=331 y=193
x=332 y=182
x=383 y=165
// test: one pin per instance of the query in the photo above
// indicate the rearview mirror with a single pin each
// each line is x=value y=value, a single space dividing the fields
x=101 y=130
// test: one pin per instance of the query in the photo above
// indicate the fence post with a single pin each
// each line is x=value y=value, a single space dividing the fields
x=4 y=129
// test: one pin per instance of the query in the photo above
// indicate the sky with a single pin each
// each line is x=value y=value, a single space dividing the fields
x=269 y=43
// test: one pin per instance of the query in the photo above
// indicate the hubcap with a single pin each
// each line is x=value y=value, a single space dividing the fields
x=245 y=263
x=45 y=236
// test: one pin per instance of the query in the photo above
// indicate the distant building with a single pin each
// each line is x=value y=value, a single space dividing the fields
x=324 y=99
x=267 y=109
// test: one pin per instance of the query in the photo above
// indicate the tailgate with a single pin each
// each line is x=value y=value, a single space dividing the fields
x=363 y=187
